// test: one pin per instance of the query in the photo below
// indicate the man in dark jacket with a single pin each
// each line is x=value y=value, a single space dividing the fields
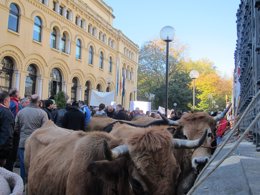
x=110 y=111
x=59 y=114
x=120 y=113
x=74 y=118
x=6 y=128
x=49 y=108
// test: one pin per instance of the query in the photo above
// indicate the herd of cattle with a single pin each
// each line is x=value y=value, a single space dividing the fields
x=141 y=157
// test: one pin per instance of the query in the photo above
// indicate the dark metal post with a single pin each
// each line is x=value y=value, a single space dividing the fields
x=193 y=107
x=166 y=82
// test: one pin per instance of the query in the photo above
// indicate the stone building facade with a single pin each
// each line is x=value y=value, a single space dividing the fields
x=71 y=45
x=247 y=62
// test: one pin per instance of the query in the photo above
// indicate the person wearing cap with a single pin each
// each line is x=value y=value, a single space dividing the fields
x=27 y=121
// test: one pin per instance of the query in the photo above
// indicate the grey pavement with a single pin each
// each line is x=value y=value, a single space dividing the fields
x=239 y=174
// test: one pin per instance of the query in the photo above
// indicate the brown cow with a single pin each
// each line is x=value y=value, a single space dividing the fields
x=191 y=126
x=74 y=163
x=36 y=142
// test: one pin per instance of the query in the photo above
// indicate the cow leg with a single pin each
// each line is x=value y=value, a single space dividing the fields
x=186 y=183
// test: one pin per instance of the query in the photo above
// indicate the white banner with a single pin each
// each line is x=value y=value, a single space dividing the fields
x=145 y=106
x=101 y=97
x=162 y=110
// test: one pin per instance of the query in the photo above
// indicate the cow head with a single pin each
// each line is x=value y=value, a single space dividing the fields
x=149 y=160
x=192 y=126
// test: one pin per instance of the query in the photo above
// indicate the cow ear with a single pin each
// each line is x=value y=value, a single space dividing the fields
x=107 y=170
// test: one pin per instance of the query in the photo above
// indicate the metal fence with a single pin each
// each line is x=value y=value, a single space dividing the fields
x=248 y=122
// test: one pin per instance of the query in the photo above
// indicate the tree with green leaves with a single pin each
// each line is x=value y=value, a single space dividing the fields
x=210 y=93
x=60 y=99
x=151 y=77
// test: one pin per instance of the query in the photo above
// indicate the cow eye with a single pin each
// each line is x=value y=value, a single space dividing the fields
x=209 y=134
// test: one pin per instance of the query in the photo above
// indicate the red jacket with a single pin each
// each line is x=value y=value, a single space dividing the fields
x=222 y=127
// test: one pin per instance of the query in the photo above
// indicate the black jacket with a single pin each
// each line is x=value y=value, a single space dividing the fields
x=6 y=132
x=58 y=116
x=74 y=119
x=49 y=113
x=121 y=115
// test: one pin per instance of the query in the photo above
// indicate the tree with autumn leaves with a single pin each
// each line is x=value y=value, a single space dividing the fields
x=211 y=88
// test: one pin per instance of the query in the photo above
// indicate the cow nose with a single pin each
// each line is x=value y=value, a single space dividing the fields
x=199 y=162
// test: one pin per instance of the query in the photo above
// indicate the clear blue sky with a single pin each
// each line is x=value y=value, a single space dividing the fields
x=207 y=27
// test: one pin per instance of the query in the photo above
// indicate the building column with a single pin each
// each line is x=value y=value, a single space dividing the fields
x=64 y=87
x=68 y=90
x=71 y=16
x=39 y=86
x=79 y=93
x=84 y=25
x=17 y=79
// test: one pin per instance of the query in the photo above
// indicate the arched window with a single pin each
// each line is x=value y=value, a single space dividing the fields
x=110 y=64
x=74 y=89
x=98 y=87
x=14 y=16
x=30 y=82
x=6 y=73
x=78 y=49
x=54 y=36
x=131 y=74
x=87 y=91
x=63 y=43
x=127 y=73
x=108 y=89
x=90 y=55
x=101 y=60
x=55 y=84
x=104 y=38
x=37 y=29
x=94 y=31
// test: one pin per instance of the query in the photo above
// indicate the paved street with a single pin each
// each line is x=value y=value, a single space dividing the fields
x=237 y=175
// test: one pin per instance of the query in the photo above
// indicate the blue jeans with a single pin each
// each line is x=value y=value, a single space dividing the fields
x=21 y=159
x=219 y=140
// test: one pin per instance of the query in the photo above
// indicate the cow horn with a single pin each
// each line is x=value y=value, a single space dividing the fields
x=115 y=153
x=222 y=114
x=169 y=122
x=189 y=144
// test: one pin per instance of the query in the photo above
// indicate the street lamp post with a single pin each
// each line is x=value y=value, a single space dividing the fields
x=167 y=34
x=194 y=74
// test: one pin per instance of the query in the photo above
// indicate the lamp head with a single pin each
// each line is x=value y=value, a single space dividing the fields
x=194 y=74
x=167 y=33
